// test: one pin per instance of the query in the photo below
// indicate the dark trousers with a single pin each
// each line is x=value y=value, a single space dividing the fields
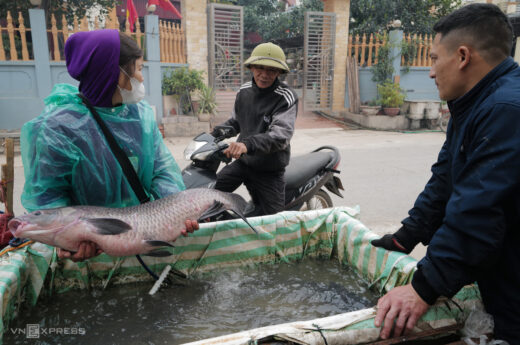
x=267 y=189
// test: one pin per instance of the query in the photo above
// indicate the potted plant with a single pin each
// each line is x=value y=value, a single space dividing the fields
x=391 y=96
x=207 y=103
x=371 y=107
x=179 y=83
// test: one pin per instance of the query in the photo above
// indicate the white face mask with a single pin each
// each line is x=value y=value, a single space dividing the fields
x=135 y=95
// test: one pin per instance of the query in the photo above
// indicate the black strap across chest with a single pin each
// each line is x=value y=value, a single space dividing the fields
x=120 y=155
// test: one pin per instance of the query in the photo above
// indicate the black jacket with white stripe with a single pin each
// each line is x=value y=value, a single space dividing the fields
x=265 y=120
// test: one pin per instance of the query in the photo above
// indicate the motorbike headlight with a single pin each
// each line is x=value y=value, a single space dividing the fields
x=192 y=147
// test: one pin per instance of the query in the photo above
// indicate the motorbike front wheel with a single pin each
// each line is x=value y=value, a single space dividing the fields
x=320 y=200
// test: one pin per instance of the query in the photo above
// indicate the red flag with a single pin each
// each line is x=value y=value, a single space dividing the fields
x=131 y=13
x=166 y=5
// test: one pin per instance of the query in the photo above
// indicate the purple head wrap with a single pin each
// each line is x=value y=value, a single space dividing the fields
x=92 y=58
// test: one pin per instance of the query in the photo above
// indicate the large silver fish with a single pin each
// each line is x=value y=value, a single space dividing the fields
x=125 y=231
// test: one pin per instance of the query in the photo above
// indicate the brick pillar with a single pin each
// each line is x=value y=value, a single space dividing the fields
x=195 y=26
x=342 y=10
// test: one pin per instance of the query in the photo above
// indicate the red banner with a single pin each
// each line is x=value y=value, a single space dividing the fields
x=131 y=14
x=166 y=5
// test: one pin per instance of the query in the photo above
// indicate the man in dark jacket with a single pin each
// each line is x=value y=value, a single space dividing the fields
x=469 y=211
x=264 y=115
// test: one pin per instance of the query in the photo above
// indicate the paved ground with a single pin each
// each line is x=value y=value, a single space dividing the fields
x=382 y=172
x=308 y=120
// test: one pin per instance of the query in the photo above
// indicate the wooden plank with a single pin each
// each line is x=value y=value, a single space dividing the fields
x=349 y=83
x=353 y=85
x=357 y=94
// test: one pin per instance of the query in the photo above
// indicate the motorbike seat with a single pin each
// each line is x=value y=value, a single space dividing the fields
x=302 y=168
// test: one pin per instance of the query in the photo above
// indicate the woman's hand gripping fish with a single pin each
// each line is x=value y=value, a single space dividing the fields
x=126 y=231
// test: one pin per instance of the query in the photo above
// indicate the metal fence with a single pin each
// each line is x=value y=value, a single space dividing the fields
x=15 y=39
x=319 y=47
x=364 y=49
x=16 y=45
x=421 y=45
x=173 y=44
x=226 y=42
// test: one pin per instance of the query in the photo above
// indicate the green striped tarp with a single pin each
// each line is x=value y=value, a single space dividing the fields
x=333 y=234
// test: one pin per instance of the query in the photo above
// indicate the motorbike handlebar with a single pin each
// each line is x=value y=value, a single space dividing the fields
x=222 y=146
x=221 y=156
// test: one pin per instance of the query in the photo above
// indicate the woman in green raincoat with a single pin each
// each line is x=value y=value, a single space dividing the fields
x=66 y=158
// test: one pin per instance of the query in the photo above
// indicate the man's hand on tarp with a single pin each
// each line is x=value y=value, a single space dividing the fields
x=403 y=305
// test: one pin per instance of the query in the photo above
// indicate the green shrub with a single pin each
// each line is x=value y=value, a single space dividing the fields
x=208 y=103
x=181 y=81
x=382 y=71
x=390 y=95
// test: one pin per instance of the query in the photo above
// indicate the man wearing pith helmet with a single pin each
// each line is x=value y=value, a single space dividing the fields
x=264 y=115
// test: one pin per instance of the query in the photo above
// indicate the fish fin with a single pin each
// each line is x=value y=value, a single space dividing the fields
x=159 y=243
x=218 y=208
x=215 y=209
x=158 y=253
x=244 y=219
x=109 y=226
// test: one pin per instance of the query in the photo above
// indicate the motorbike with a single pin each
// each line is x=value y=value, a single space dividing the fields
x=307 y=177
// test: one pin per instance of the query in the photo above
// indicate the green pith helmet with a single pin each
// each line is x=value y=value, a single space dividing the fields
x=268 y=54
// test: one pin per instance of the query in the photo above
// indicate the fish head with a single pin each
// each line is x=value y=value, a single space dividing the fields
x=43 y=225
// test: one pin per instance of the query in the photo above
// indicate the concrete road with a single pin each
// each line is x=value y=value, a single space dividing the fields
x=382 y=172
